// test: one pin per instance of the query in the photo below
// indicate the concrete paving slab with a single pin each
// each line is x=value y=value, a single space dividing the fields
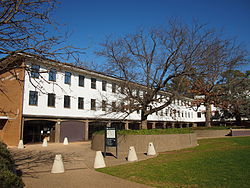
x=35 y=163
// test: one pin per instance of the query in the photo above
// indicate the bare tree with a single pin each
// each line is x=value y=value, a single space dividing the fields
x=155 y=58
x=27 y=26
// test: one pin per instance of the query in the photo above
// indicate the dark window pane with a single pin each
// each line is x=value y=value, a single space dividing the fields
x=52 y=75
x=67 y=78
x=66 y=101
x=103 y=105
x=104 y=85
x=93 y=104
x=81 y=80
x=199 y=114
x=33 y=98
x=80 y=103
x=35 y=71
x=51 y=99
x=113 y=87
x=114 y=106
x=93 y=83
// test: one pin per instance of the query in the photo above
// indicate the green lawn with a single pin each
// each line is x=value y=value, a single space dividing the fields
x=223 y=162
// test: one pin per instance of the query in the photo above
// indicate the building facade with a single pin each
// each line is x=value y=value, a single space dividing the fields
x=47 y=99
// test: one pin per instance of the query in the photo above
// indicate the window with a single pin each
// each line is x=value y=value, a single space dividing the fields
x=103 y=105
x=179 y=113
x=80 y=103
x=93 y=83
x=33 y=98
x=93 y=104
x=137 y=93
x=67 y=79
x=113 y=87
x=66 y=101
x=122 y=89
x=51 y=99
x=35 y=71
x=162 y=113
x=81 y=80
x=104 y=85
x=166 y=111
x=199 y=114
x=52 y=75
x=113 y=106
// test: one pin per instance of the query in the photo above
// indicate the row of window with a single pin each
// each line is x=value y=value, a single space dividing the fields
x=67 y=80
x=35 y=69
x=33 y=100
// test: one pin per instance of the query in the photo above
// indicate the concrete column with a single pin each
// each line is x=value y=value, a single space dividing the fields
x=181 y=125
x=126 y=125
x=153 y=125
x=194 y=124
x=173 y=125
x=86 y=130
x=164 y=125
x=57 y=131
x=22 y=127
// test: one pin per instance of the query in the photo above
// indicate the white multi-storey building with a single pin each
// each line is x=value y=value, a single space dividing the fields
x=56 y=100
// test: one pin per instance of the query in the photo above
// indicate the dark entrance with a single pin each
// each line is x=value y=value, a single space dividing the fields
x=36 y=130
x=73 y=130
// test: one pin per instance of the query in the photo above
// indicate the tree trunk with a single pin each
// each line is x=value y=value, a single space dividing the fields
x=144 y=124
x=208 y=115
x=144 y=121
x=238 y=119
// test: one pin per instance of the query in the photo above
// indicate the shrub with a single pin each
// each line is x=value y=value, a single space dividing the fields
x=8 y=178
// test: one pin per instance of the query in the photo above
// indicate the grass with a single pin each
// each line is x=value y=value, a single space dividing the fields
x=152 y=131
x=223 y=162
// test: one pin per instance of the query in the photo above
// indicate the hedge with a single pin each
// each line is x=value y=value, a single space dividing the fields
x=8 y=177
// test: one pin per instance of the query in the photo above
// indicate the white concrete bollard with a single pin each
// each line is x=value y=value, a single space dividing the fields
x=58 y=166
x=45 y=143
x=20 y=144
x=132 y=154
x=65 y=141
x=99 y=160
x=151 y=149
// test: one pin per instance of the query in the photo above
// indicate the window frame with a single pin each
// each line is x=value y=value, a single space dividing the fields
x=53 y=100
x=67 y=77
x=113 y=105
x=114 y=87
x=80 y=103
x=35 y=69
x=93 y=83
x=52 y=74
x=66 y=105
x=34 y=96
x=93 y=104
x=81 y=80
x=104 y=105
x=104 y=85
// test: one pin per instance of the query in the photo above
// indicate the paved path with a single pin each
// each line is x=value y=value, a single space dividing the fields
x=35 y=163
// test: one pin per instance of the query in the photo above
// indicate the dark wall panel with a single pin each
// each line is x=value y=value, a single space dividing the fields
x=73 y=130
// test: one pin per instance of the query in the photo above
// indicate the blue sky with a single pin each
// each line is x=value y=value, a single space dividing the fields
x=90 y=21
